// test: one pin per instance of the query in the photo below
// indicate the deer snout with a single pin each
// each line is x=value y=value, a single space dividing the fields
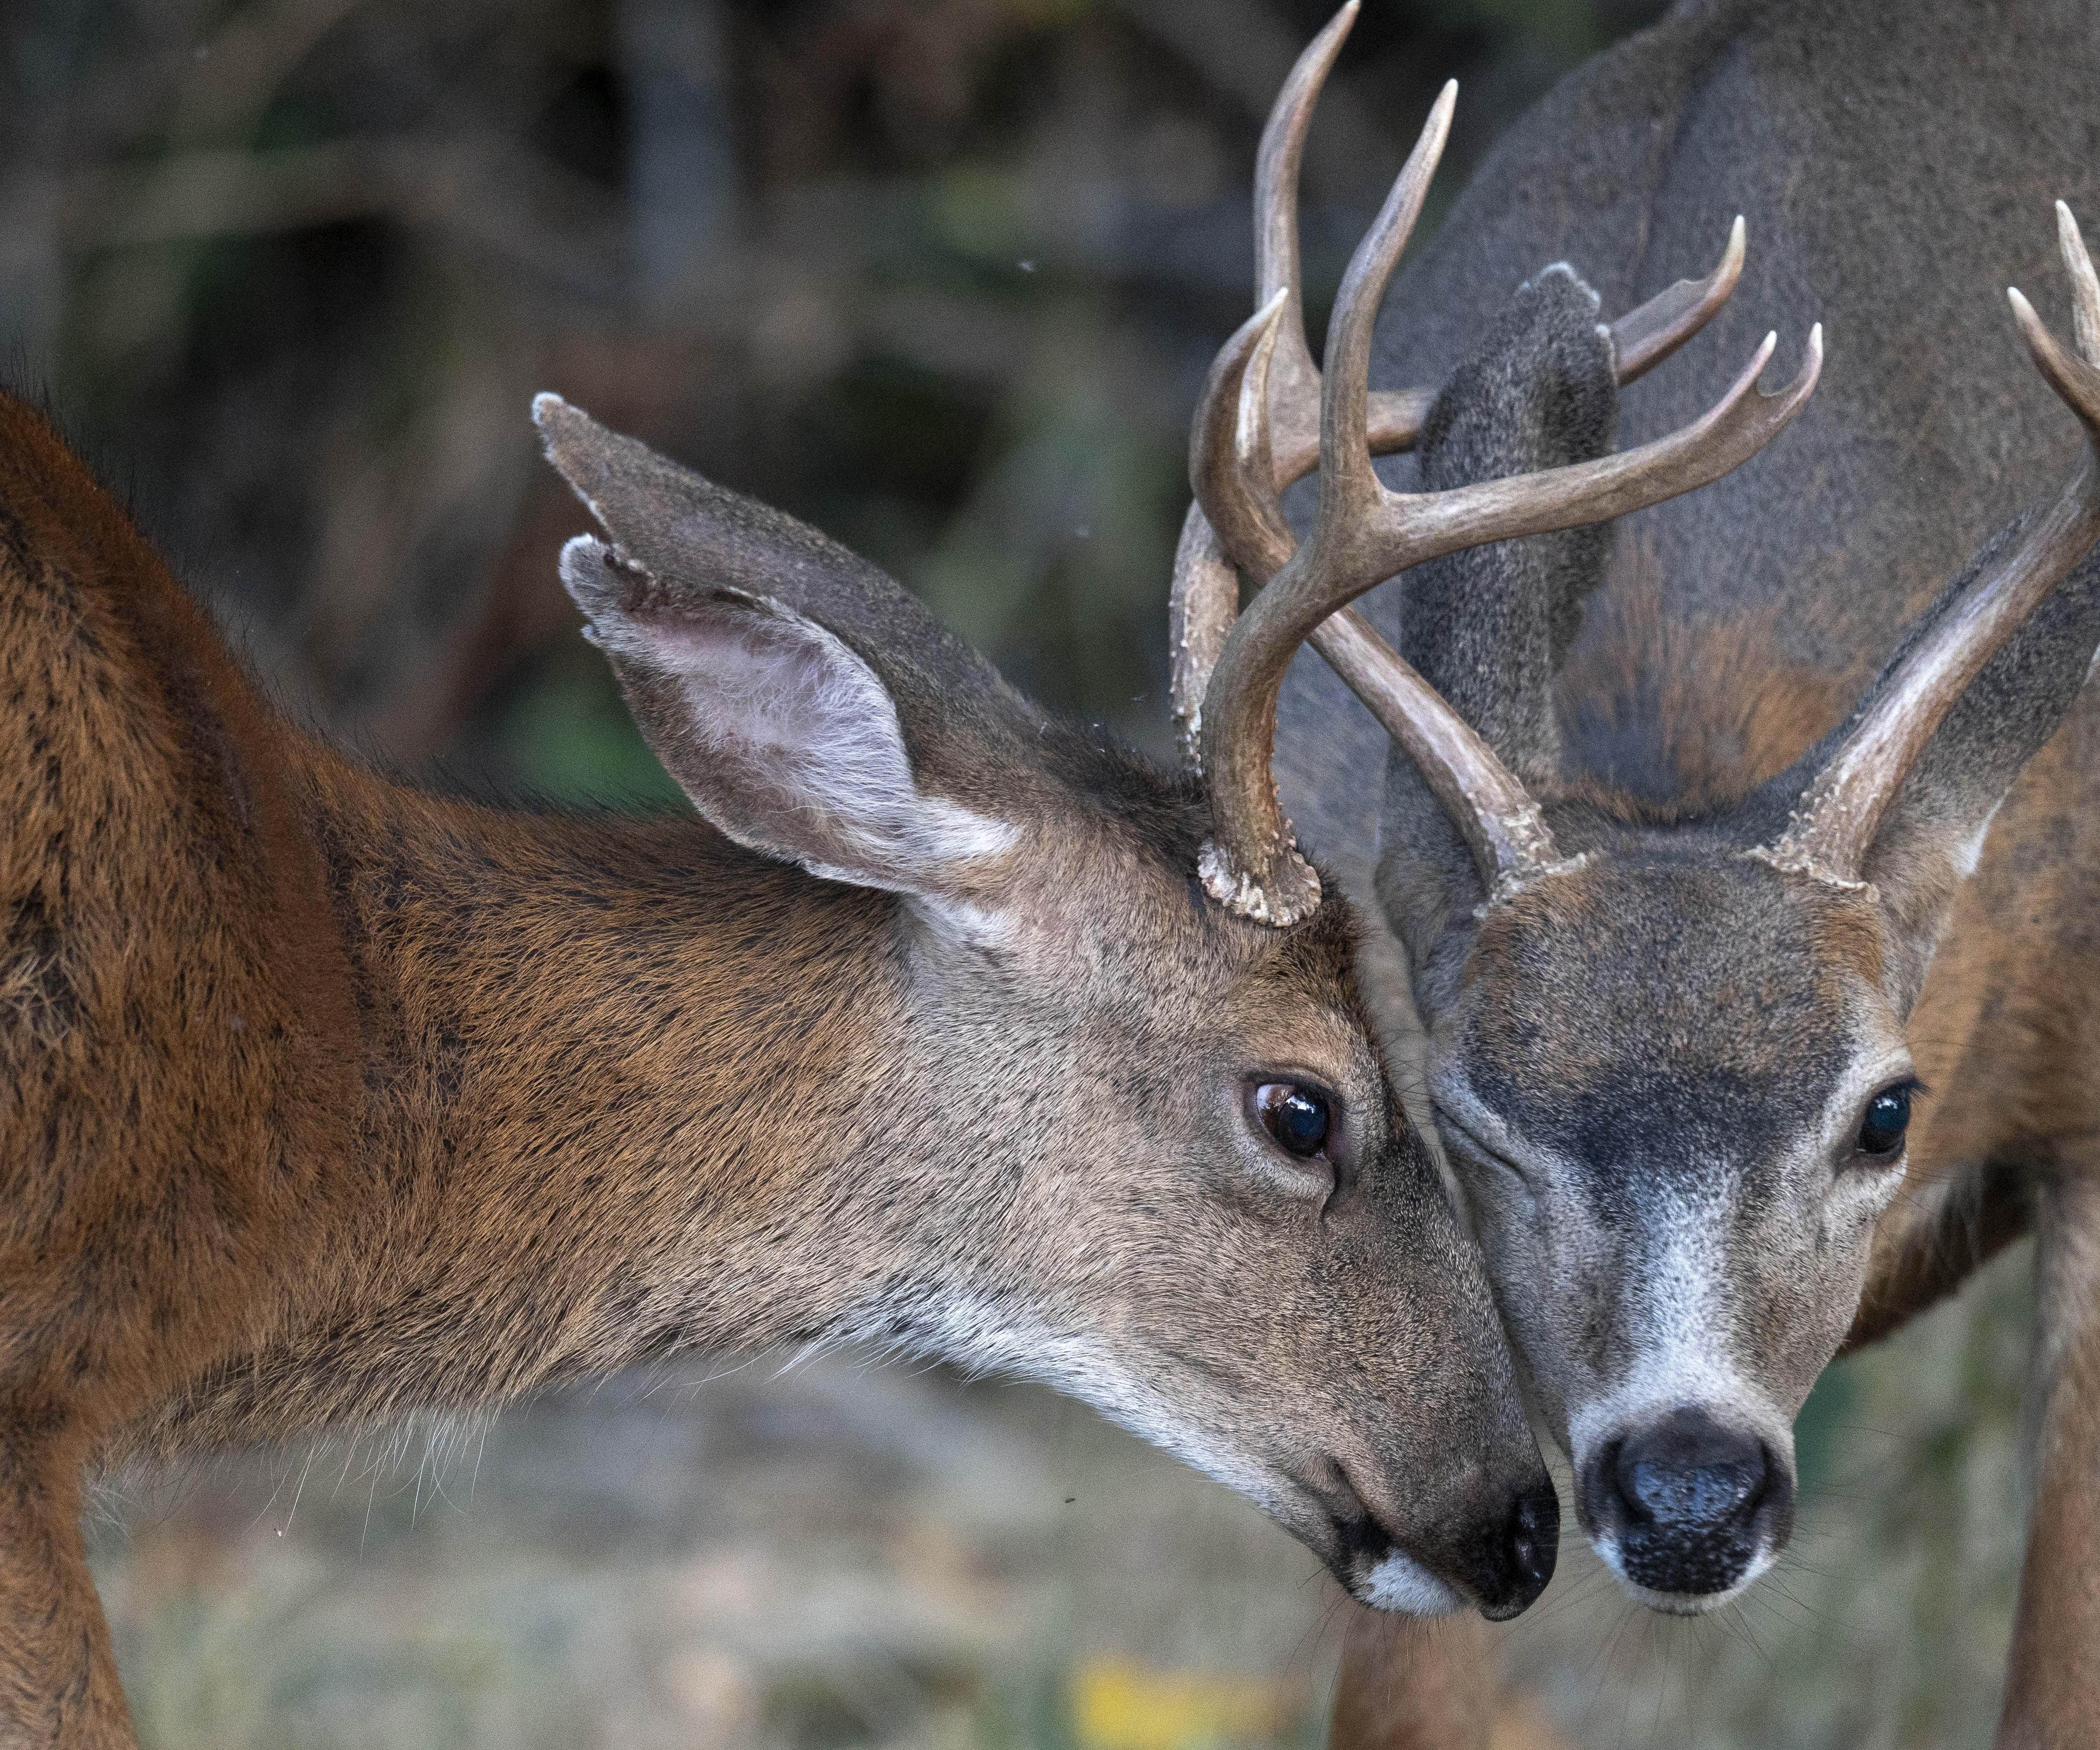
x=1500 y=1564
x=1519 y=1559
x=1688 y=1510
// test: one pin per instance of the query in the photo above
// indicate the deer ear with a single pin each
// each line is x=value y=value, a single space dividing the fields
x=1488 y=626
x=784 y=738
x=798 y=695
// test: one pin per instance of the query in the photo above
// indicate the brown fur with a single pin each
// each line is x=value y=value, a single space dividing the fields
x=1714 y=705
x=322 y=1098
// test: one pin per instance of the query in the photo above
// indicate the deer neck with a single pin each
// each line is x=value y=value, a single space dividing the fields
x=622 y=1089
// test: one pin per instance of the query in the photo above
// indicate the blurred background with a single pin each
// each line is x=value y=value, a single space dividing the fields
x=943 y=277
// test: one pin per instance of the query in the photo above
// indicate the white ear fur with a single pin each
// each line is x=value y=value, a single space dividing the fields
x=801 y=753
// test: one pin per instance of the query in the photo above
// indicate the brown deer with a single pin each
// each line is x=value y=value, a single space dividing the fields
x=1709 y=844
x=325 y=1098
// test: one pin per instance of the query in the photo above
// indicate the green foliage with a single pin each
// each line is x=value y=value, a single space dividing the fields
x=567 y=734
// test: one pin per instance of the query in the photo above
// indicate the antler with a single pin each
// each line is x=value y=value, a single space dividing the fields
x=1363 y=533
x=1642 y=338
x=1832 y=828
x=1205 y=594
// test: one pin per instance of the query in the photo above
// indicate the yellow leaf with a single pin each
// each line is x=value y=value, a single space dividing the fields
x=1117 y=1705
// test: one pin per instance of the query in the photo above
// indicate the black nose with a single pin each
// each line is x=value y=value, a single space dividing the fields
x=1691 y=1502
x=1514 y=1568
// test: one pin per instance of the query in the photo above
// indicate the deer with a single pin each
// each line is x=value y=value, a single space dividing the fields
x=328 y=1099
x=1732 y=864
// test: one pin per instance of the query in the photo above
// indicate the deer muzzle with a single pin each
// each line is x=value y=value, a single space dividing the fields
x=1686 y=1509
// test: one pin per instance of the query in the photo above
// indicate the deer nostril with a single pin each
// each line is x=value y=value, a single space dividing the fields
x=1513 y=1574
x=1535 y=1539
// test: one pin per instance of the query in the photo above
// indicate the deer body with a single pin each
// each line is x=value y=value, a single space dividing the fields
x=1647 y=1069
x=322 y=1098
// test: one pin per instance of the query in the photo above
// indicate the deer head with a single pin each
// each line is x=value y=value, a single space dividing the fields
x=1665 y=1044
x=1119 y=1139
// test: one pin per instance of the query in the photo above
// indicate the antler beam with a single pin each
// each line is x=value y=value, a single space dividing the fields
x=1206 y=595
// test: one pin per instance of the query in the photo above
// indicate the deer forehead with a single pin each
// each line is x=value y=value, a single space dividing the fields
x=1636 y=1008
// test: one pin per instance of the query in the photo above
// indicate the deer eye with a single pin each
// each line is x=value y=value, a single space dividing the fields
x=1882 y=1125
x=1295 y=1115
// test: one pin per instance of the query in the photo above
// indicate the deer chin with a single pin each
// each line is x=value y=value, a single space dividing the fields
x=1398 y=1583
x=1684 y=1603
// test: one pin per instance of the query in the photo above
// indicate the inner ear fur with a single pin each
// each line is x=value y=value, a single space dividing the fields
x=783 y=737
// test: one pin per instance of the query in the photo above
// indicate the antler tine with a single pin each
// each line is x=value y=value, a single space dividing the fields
x=1230 y=465
x=1641 y=340
x=1833 y=828
x=2085 y=288
x=1345 y=456
x=1296 y=379
x=1396 y=415
x=1235 y=514
x=1363 y=533
x=2074 y=376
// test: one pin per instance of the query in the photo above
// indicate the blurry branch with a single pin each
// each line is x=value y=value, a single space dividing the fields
x=455 y=186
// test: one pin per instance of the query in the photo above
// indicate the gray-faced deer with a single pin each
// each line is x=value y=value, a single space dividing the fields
x=324 y=1098
x=1708 y=843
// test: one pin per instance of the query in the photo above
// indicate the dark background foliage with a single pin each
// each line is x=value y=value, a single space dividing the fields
x=941 y=276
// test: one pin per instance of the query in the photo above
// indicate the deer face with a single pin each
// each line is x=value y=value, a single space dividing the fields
x=1665 y=1041
x=1672 y=1089
x=1103 y=1131
x=1228 y=1238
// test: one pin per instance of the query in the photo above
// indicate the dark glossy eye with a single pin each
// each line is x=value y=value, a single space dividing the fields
x=1887 y=1118
x=1295 y=1115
